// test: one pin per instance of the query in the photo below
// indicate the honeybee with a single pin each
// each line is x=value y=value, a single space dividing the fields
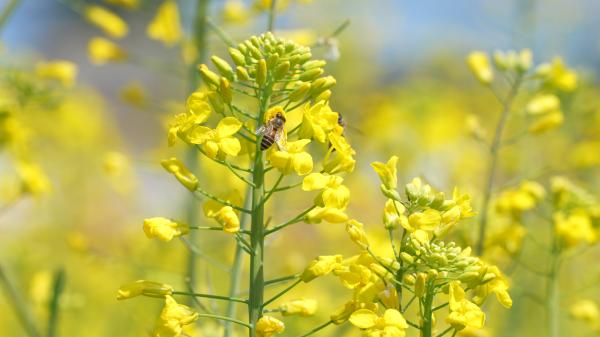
x=273 y=132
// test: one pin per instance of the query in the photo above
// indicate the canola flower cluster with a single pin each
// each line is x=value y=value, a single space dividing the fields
x=283 y=81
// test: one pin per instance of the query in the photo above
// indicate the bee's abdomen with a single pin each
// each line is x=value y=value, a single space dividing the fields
x=266 y=142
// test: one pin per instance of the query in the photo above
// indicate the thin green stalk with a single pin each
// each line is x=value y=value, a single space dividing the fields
x=227 y=319
x=219 y=200
x=317 y=329
x=292 y=221
x=53 y=308
x=236 y=268
x=199 y=39
x=281 y=279
x=7 y=12
x=281 y=293
x=494 y=154
x=445 y=331
x=220 y=33
x=216 y=297
x=20 y=307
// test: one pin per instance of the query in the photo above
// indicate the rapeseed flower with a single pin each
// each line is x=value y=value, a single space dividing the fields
x=164 y=229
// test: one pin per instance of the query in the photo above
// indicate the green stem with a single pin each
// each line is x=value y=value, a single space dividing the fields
x=553 y=291
x=317 y=329
x=494 y=151
x=427 y=327
x=257 y=228
x=445 y=331
x=20 y=307
x=236 y=268
x=216 y=297
x=228 y=319
x=220 y=33
x=7 y=12
x=219 y=200
x=281 y=293
x=272 y=11
x=53 y=307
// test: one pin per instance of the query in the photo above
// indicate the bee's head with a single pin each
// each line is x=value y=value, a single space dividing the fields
x=279 y=115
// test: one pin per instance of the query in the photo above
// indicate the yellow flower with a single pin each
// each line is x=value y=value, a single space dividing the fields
x=101 y=51
x=387 y=172
x=585 y=310
x=178 y=169
x=340 y=157
x=574 y=228
x=134 y=94
x=34 y=180
x=512 y=60
x=293 y=159
x=129 y=4
x=172 y=319
x=164 y=229
x=514 y=201
x=463 y=312
x=547 y=122
x=393 y=214
x=219 y=140
x=497 y=285
x=301 y=307
x=226 y=216
x=542 y=104
x=391 y=324
x=343 y=314
x=62 y=71
x=321 y=266
x=235 y=11
x=329 y=214
x=267 y=326
x=333 y=193
x=557 y=75
x=357 y=233
x=165 y=26
x=479 y=63
x=318 y=121
x=143 y=287
x=198 y=110
x=107 y=21
x=424 y=223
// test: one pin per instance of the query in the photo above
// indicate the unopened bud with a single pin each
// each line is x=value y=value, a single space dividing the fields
x=208 y=76
x=261 y=72
x=223 y=67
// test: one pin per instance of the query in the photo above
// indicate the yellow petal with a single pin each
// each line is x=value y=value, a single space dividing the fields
x=302 y=163
x=314 y=181
x=230 y=146
x=228 y=126
x=363 y=319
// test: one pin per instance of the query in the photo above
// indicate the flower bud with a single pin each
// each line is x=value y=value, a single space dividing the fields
x=237 y=57
x=479 y=64
x=407 y=258
x=420 y=284
x=143 y=287
x=225 y=90
x=223 y=67
x=314 y=64
x=261 y=72
x=242 y=73
x=164 y=229
x=267 y=326
x=208 y=76
x=299 y=92
x=281 y=70
x=301 y=307
x=185 y=177
x=311 y=74
x=409 y=279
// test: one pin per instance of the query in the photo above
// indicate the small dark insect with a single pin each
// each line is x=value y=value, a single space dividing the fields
x=273 y=132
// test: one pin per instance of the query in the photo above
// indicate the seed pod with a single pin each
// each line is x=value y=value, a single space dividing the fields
x=208 y=76
x=299 y=92
x=281 y=70
x=223 y=67
x=225 y=90
x=242 y=73
x=261 y=72
x=237 y=57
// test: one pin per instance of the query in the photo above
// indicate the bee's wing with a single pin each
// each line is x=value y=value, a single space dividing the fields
x=281 y=139
x=263 y=129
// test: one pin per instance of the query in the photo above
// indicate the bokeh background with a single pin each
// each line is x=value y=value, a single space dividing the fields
x=403 y=88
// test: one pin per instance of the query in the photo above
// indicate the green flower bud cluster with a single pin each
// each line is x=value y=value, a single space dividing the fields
x=438 y=258
x=266 y=61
